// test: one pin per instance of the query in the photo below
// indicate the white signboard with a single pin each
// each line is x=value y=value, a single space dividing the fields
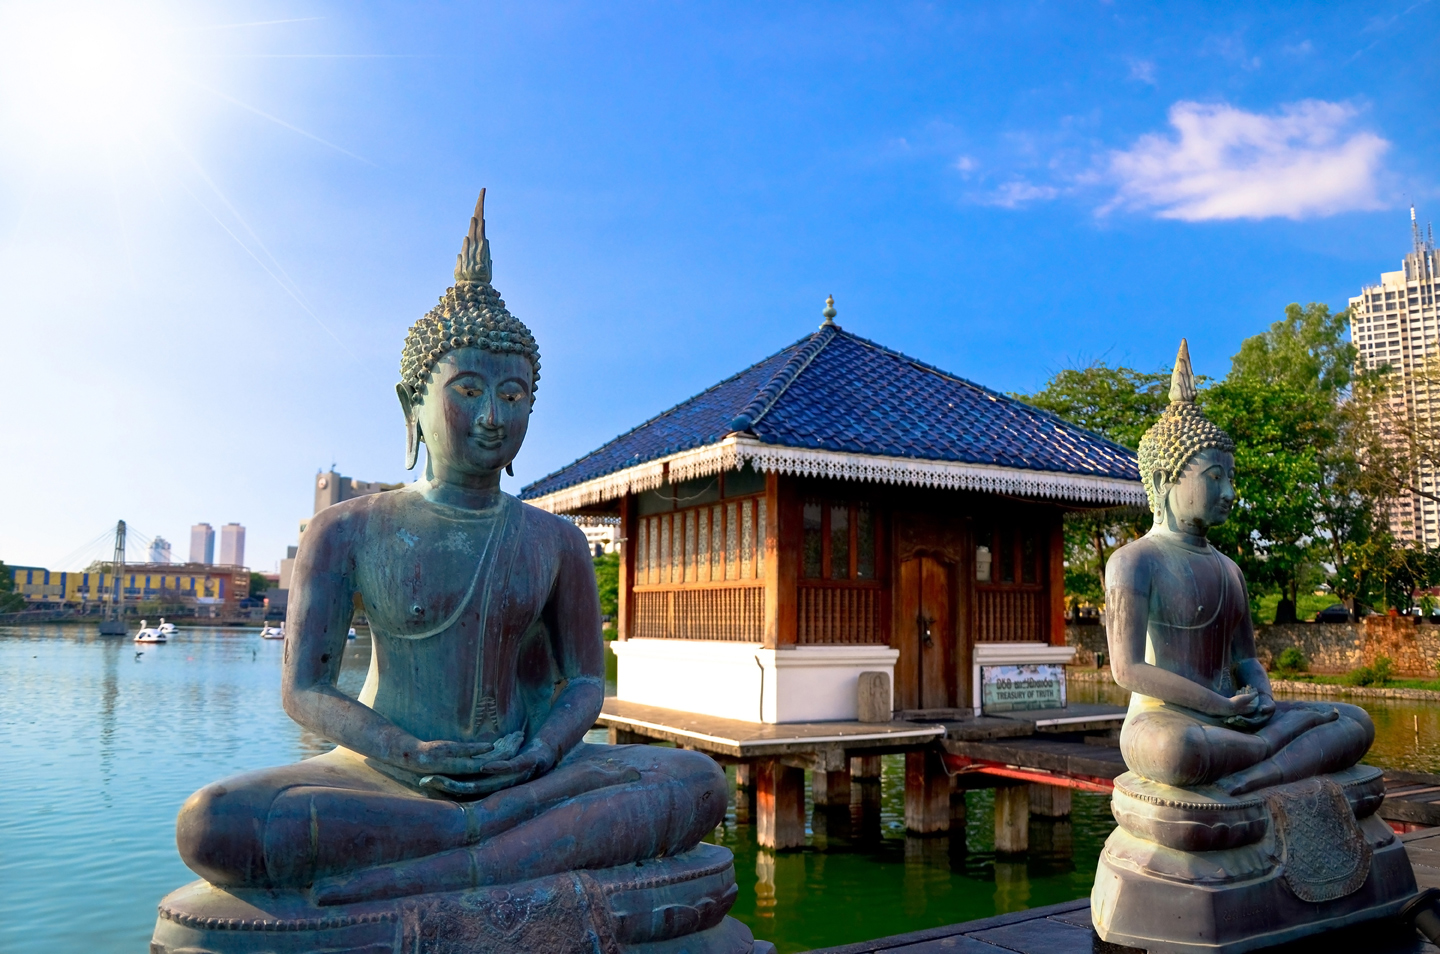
x=1015 y=688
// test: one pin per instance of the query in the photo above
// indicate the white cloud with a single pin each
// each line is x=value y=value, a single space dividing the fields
x=1018 y=192
x=965 y=165
x=1143 y=71
x=1225 y=163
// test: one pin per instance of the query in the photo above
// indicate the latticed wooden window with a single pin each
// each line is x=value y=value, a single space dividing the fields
x=747 y=541
x=642 y=553
x=813 y=545
x=654 y=549
x=760 y=536
x=664 y=549
x=732 y=542
x=674 y=528
x=717 y=543
x=837 y=541
x=690 y=561
x=702 y=545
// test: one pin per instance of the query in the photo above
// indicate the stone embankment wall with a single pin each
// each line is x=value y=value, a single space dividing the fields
x=1330 y=647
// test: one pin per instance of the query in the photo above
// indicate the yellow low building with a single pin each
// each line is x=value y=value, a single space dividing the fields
x=168 y=582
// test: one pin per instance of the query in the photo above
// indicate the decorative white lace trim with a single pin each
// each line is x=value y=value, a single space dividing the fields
x=733 y=452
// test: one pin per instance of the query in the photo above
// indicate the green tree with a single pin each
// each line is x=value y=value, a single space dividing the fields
x=1277 y=430
x=258 y=584
x=1117 y=403
x=607 y=579
x=10 y=601
x=1288 y=402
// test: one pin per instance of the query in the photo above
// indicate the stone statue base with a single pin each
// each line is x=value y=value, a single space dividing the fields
x=664 y=906
x=1196 y=870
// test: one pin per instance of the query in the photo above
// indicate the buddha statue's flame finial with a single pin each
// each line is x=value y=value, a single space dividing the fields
x=1182 y=379
x=473 y=262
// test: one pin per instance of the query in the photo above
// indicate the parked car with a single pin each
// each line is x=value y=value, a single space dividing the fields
x=1336 y=613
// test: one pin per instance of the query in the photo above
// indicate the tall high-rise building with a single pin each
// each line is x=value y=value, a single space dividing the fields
x=1397 y=323
x=202 y=543
x=232 y=545
x=159 y=550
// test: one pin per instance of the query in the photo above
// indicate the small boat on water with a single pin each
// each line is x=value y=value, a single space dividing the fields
x=272 y=632
x=351 y=634
x=150 y=635
x=167 y=628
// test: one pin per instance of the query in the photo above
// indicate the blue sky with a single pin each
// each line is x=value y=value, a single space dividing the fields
x=217 y=220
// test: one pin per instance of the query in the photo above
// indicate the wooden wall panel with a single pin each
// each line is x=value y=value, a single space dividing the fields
x=1056 y=582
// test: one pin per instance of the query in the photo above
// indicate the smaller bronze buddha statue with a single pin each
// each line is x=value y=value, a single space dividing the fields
x=461 y=809
x=1244 y=822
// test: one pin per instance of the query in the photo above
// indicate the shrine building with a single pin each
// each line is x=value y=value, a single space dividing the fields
x=839 y=508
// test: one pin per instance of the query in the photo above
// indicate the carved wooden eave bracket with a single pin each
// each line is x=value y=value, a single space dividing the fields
x=736 y=450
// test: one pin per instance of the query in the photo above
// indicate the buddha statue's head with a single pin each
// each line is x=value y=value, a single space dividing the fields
x=468 y=372
x=1187 y=463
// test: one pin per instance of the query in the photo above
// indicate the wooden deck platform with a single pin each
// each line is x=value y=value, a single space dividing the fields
x=1412 y=800
x=1075 y=748
x=826 y=745
x=1065 y=928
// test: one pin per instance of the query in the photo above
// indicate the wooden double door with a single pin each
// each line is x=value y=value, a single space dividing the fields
x=924 y=633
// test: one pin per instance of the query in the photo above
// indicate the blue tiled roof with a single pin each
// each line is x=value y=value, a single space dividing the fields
x=836 y=391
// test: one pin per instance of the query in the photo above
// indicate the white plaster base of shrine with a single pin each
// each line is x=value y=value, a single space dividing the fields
x=745 y=681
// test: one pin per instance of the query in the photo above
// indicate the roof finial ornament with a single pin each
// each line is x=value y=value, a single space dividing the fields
x=1182 y=379
x=829 y=311
x=473 y=262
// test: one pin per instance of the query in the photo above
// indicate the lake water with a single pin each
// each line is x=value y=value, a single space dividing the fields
x=101 y=740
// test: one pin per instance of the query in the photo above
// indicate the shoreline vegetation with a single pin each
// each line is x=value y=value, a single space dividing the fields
x=1358 y=682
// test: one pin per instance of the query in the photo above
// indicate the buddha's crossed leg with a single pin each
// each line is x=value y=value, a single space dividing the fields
x=1303 y=739
x=288 y=826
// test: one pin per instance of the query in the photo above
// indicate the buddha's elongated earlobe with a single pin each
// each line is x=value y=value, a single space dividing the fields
x=510 y=469
x=412 y=427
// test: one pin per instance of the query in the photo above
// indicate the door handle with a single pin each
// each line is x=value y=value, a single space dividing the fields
x=925 y=622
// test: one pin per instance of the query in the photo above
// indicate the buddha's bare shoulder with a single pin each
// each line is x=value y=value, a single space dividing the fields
x=1132 y=562
x=564 y=535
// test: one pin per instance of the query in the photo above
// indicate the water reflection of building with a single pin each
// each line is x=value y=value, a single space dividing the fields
x=183 y=584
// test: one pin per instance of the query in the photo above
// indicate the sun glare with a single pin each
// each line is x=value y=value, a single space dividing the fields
x=82 y=76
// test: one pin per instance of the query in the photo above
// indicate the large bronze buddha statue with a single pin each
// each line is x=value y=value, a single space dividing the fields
x=461 y=809
x=1244 y=822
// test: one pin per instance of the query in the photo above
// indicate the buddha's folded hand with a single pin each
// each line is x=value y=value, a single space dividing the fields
x=441 y=757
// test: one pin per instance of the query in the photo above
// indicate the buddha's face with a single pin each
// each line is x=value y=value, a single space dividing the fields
x=475 y=411
x=1204 y=494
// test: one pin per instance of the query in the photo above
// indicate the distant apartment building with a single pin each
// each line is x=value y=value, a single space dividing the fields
x=331 y=488
x=202 y=543
x=160 y=550
x=232 y=545
x=1397 y=323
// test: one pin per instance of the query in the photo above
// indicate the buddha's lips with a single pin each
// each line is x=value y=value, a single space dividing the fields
x=488 y=442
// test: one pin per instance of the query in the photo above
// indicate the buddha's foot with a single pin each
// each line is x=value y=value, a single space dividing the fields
x=453 y=870
x=1251 y=779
